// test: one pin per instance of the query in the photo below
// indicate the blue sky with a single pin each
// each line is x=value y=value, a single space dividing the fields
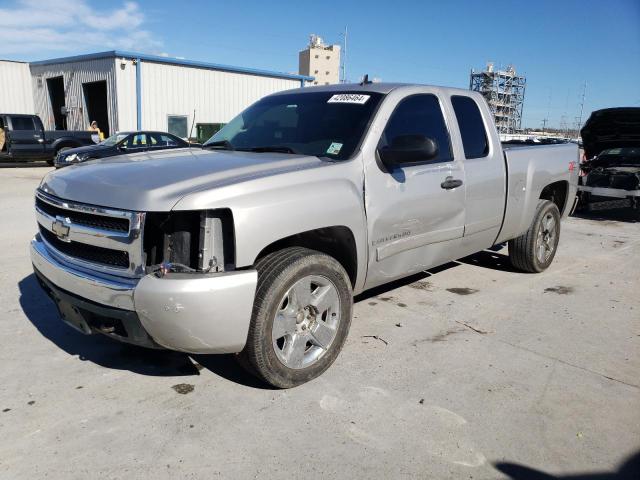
x=557 y=44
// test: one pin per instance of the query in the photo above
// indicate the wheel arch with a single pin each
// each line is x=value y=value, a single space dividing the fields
x=556 y=192
x=64 y=143
x=337 y=241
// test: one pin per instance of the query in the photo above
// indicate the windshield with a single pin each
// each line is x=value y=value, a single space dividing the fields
x=113 y=139
x=323 y=124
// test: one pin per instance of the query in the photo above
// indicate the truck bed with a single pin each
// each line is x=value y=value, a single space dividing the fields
x=529 y=168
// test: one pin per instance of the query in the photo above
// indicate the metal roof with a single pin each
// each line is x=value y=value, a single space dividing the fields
x=173 y=61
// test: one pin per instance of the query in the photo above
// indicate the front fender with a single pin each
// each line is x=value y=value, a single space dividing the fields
x=269 y=209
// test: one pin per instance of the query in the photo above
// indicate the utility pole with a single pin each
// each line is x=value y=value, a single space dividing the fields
x=583 y=96
x=544 y=124
x=344 y=57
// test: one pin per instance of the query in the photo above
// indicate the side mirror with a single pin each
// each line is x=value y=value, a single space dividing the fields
x=122 y=147
x=408 y=149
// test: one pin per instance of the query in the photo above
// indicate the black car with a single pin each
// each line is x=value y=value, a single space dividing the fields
x=121 y=143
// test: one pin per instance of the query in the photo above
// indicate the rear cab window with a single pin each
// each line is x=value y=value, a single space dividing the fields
x=472 y=130
x=419 y=114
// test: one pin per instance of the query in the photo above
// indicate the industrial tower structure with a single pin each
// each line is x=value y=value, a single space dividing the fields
x=504 y=92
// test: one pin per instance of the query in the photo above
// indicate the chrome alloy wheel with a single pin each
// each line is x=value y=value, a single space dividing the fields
x=306 y=322
x=546 y=239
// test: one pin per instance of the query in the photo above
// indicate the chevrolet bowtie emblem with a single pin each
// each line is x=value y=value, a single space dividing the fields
x=60 y=229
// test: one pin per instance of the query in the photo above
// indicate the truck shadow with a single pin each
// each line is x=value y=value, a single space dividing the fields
x=42 y=313
x=629 y=470
x=491 y=258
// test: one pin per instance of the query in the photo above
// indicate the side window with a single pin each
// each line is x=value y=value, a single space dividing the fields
x=138 y=140
x=22 y=123
x=168 y=141
x=162 y=141
x=419 y=115
x=474 y=135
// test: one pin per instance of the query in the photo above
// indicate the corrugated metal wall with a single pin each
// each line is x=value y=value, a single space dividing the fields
x=75 y=74
x=126 y=88
x=15 y=88
x=216 y=96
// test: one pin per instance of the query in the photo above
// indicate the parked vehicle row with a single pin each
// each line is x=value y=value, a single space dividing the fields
x=257 y=243
x=26 y=139
x=119 y=144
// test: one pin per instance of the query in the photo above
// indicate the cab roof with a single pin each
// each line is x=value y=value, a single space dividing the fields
x=383 y=88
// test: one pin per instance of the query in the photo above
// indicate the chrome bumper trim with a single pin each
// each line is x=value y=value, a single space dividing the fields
x=114 y=293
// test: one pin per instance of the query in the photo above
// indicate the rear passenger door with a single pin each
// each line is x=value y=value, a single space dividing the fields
x=26 y=137
x=415 y=218
x=136 y=142
x=485 y=173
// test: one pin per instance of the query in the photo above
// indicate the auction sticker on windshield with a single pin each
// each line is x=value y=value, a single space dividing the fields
x=334 y=148
x=349 y=98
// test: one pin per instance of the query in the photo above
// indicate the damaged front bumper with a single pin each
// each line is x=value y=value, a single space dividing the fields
x=193 y=313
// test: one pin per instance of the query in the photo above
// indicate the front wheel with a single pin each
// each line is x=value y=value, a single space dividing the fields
x=301 y=317
x=534 y=250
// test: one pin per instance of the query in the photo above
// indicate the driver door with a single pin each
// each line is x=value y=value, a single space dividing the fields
x=414 y=215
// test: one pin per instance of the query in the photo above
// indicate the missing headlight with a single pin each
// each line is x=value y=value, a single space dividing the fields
x=189 y=241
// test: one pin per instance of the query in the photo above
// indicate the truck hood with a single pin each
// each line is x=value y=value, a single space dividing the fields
x=611 y=128
x=157 y=181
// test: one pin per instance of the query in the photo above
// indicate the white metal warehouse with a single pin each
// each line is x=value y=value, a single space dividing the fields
x=127 y=91
x=15 y=88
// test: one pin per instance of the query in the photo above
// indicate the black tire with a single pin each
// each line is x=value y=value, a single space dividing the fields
x=50 y=162
x=523 y=251
x=278 y=272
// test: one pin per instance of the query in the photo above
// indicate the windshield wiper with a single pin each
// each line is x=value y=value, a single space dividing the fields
x=221 y=144
x=271 y=148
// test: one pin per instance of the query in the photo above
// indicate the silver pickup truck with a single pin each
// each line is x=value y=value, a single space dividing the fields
x=257 y=243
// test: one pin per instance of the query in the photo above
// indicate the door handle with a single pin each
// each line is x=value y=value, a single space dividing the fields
x=450 y=183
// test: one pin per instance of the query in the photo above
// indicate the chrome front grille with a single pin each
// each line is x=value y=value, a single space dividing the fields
x=117 y=224
x=92 y=238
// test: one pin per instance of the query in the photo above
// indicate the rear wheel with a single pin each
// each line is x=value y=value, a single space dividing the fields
x=301 y=317
x=535 y=249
